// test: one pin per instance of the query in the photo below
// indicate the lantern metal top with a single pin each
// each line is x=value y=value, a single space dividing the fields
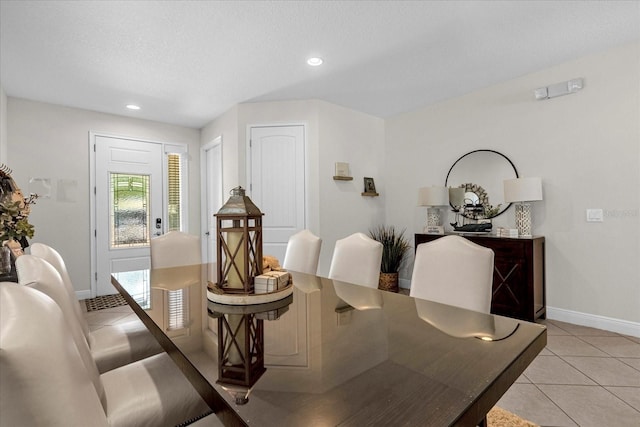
x=239 y=204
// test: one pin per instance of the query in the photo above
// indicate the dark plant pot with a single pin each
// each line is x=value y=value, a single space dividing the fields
x=388 y=282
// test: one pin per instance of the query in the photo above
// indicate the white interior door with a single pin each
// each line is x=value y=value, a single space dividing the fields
x=128 y=203
x=277 y=183
x=213 y=198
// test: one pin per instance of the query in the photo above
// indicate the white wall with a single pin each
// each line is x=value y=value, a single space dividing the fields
x=227 y=127
x=50 y=141
x=334 y=209
x=358 y=139
x=586 y=148
x=3 y=126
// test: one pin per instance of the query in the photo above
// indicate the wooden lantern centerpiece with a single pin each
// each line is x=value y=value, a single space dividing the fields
x=238 y=243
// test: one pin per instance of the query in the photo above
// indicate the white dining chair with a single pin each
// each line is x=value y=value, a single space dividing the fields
x=44 y=381
x=174 y=249
x=356 y=259
x=455 y=271
x=303 y=252
x=112 y=345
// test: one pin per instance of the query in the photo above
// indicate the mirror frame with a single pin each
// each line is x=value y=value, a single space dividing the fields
x=446 y=182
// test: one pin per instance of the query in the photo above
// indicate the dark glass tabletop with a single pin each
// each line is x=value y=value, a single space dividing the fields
x=329 y=353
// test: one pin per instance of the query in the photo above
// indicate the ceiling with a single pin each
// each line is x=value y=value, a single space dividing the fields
x=187 y=62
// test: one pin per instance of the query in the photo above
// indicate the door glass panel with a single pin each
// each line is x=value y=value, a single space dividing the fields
x=174 y=189
x=129 y=210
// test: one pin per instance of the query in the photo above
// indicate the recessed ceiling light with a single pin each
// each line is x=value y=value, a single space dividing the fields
x=133 y=107
x=314 y=62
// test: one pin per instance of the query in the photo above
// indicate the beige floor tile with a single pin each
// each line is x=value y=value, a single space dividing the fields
x=552 y=329
x=522 y=379
x=572 y=346
x=634 y=339
x=631 y=395
x=545 y=352
x=615 y=346
x=102 y=318
x=530 y=403
x=633 y=362
x=127 y=318
x=592 y=406
x=554 y=370
x=582 y=330
x=606 y=371
x=95 y=327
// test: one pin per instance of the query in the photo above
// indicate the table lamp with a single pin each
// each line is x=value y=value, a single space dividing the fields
x=521 y=191
x=433 y=197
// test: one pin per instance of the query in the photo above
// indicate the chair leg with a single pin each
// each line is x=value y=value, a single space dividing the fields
x=483 y=423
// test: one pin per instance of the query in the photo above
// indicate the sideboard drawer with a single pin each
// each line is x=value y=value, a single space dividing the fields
x=505 y=249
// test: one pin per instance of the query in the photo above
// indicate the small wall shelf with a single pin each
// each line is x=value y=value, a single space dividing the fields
x=370 y=194
x=343 y=178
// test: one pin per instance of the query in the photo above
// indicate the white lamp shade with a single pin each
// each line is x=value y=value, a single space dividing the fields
x=456 y=196
x=433 y=196
x=522 y=189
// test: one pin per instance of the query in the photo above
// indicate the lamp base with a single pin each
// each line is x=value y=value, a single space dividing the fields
x=434 y=217
x=523 y=219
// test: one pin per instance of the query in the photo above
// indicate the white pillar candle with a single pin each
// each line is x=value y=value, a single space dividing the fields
x=234 y=279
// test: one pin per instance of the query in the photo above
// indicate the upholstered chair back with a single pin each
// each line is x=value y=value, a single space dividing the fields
x=42 y=380
x=54 y=258
x=303 y=252
x=38 y=274
x=356 y=259
x=174 y=249
x=455 y=271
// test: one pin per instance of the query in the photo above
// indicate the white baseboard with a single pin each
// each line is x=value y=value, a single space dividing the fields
x=624 y=327
x=83 y=294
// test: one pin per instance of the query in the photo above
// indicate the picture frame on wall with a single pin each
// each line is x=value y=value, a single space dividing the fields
x=369 y=185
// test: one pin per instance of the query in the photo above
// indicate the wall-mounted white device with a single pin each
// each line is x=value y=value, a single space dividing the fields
x=559 y=89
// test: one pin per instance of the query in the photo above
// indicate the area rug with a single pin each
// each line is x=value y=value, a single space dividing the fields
x=498 y=417
x=104 y=301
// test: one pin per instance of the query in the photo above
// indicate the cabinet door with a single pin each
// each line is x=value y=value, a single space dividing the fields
x=510 y=296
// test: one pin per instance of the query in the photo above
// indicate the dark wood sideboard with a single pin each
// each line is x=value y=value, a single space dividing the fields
x=518 y=275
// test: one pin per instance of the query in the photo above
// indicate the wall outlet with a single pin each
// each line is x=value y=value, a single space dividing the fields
x=595 y=215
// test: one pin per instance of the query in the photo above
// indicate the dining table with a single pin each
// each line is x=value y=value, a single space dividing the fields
x=320 y=352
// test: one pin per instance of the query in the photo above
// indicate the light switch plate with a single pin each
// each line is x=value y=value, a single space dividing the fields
x=594 y=215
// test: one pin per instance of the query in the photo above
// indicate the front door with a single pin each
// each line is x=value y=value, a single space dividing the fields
x=129 y=193
x=277 y=183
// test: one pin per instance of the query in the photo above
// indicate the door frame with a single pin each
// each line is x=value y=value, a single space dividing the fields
x=183 y=147
x=204 y=223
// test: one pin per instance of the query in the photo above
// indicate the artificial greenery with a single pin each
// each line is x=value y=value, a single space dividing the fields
x=13 y=220
x=394 y=247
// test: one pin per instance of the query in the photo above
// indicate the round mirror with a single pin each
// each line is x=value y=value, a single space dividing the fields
x=481 y=173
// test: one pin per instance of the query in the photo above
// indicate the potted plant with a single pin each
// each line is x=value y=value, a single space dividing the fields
x=14 y=225
x=394 y=248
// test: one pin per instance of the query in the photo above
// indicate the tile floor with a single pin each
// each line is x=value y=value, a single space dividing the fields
x=584 y=377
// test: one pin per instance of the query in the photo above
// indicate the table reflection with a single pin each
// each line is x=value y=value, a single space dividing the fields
x=358 y=297
x=241 y=343
x=461 y=323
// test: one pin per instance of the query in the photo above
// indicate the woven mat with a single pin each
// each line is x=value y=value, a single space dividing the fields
x=104 y=301
x=499 y=417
